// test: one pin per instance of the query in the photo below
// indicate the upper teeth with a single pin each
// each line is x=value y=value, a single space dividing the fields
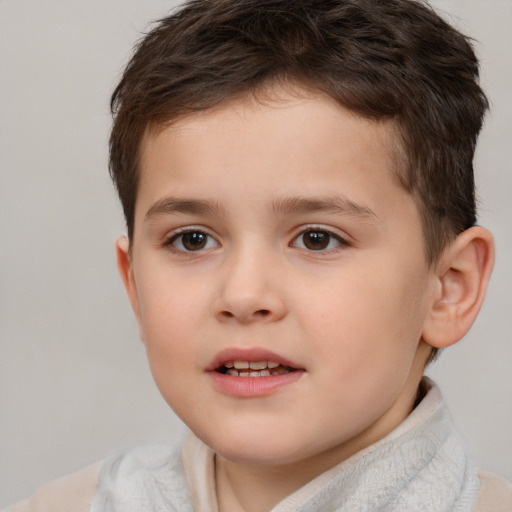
x=253 y=365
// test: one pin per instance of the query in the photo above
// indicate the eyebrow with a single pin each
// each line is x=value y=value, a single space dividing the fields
x=333 y=204
x=285 y=206
x=170 y=205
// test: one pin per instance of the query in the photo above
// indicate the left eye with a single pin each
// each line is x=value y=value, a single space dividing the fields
x=193 y=241
x=317 y=240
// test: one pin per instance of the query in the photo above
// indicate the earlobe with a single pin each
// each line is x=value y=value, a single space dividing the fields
x=124 y=265
x=462 y=276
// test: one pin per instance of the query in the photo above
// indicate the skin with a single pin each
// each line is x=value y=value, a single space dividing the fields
x=353 y=316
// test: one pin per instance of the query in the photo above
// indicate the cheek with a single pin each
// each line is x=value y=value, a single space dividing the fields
x=167 y=330
x=366 y=332
x=368 y=316
x=170 y=312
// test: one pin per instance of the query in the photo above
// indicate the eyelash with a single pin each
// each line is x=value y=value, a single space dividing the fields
x=178 y=238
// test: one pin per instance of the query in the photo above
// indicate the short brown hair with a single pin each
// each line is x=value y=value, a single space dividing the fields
x=382 y=59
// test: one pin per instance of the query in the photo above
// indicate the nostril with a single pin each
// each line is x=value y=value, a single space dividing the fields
x=260 y=313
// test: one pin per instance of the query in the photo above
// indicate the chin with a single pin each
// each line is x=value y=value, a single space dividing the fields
x=265 y=450
x=261 y=447
x=260 y=457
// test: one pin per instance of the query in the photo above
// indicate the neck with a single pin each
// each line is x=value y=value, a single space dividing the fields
x=248 y=488
x=258 y=488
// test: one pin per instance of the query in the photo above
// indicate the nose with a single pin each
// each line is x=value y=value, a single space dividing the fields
x=250 y=291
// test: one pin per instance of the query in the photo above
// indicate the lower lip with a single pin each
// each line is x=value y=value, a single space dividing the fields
x=251 y=387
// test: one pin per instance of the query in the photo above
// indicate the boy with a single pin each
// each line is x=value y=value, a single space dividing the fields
x=297 y=183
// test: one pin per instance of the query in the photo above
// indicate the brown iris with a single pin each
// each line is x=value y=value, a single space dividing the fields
x=194 y=240
x=316 y=240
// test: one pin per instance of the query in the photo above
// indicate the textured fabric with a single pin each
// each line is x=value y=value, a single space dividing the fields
x=146 y=479
x=73 y=493
x=422 y=466
x=199 y=464
x=70 y=493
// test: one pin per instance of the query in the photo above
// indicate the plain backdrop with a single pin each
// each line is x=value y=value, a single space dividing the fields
x=74 y=383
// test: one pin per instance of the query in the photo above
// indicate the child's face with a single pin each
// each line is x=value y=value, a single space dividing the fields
x=276 y=232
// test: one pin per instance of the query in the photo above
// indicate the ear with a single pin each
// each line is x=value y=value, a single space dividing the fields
x=124 y=265
x=461 y=277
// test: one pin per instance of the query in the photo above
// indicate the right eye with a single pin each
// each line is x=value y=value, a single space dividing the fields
x=193 y=240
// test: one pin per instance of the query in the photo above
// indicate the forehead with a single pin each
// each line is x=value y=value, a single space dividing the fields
x=259 y=150
x=259 y=125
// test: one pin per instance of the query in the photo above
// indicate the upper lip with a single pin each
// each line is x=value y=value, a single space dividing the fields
x=249 y=354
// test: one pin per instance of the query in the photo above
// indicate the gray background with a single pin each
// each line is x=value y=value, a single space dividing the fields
x=74 y=384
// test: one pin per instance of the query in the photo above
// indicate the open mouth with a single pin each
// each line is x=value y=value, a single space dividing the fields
x=253 y=372
x=253 y=369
